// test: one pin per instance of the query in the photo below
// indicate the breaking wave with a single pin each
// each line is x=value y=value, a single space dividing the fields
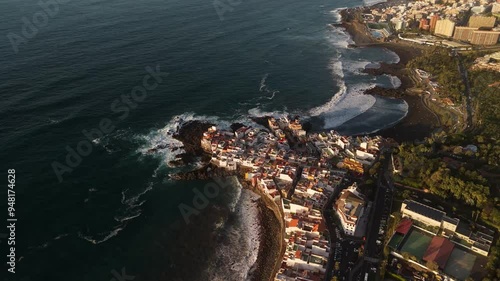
x=239 y=239
x=346 y=67
x=263 y=88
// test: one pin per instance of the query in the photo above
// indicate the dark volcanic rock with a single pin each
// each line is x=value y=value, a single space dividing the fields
x=190 y=134
x=261 y=120
x=208 y=172
x=384 y=92
x=236 y=126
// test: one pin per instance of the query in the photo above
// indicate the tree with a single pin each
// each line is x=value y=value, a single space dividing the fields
x=406 y=194
x=406 y=255
x=432 y=265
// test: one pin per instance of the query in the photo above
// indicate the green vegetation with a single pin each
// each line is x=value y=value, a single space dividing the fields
x=432 y=265
x=395 y=276
x=462 y=168
x=425 y=169
x=444 y=69
x=487 y=100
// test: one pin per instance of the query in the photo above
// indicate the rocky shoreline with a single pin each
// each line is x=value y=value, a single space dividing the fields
x=271 y=246
x=272 y=228
x=418 y=123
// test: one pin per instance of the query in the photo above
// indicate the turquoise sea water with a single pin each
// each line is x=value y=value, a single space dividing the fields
x=116 y=210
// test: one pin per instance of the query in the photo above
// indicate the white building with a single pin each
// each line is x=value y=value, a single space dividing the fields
x=349 y=208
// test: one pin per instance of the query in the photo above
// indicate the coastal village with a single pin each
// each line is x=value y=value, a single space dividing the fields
x=346 y=212
x=300 y=175
x=309 y=175
x=456 y=24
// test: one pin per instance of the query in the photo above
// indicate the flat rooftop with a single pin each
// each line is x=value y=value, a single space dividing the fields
x=424 y=210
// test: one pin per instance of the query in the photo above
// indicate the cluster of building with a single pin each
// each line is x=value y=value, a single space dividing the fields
x=479 y=31
x=267 y=155
x=307 y=249
x=478 y=240
x=444 y=19
x=299 y=172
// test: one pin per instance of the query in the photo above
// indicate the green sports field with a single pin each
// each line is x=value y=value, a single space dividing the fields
x=416 y=243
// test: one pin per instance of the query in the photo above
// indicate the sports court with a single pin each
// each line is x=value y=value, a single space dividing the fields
x=417 y=242
x=460 y=264
x=396 y=241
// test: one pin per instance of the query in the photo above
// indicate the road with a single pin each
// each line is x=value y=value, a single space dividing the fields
x=344 y=250
x=374 y=247
x=465 y=77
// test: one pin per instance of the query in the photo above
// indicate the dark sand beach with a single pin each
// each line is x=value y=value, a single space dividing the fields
x=420 y=122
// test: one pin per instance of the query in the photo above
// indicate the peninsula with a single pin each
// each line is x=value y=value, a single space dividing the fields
x=418 y=200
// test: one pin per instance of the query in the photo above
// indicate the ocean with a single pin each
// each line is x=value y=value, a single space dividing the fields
x=88 y=87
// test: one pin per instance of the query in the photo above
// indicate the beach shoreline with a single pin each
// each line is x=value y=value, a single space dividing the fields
x=419 y=122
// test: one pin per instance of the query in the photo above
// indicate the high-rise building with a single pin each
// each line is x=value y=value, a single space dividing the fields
x=464 y=33
x=483 y=37
x=481 y=21
x=445 y=27
x=434 y=20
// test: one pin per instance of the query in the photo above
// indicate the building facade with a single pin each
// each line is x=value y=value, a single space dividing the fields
x=481 y=21
x=350 y=207
x=434 y=20
x=482 y=37
x=445 y=27
x=464 y=33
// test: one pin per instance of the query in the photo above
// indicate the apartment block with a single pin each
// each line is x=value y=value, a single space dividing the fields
x=445 y=27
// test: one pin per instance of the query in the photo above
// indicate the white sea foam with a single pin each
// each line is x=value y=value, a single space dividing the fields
x=263 y=88
x=263 y=82
x=161 y=143
x=404 y=107
x=339 y=38
x=101 y=237
x=348 y=102
x=372 y=2
x=61 y=236
x=337 y=18
x=394 y=58
x=342 y=109
x=164 y=138
x=356 y=66
x=258 y=112
x=395 y=81
x=238 y=251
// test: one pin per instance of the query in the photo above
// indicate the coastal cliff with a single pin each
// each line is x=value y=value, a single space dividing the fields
x=271 y=223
